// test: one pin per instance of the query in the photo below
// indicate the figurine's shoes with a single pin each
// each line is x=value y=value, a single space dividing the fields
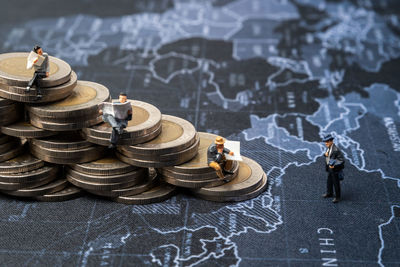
x=327 y=195
x=27 y=89
x=112 y=146
x=336 y=200
x=38 y=97
x=227 y=172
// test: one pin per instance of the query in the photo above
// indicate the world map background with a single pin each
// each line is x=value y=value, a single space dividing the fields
x=275 y=75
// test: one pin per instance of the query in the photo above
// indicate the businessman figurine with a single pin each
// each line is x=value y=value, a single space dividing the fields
x=216 y=158
x=42 y=69
x=334 y=164
x=118 y=119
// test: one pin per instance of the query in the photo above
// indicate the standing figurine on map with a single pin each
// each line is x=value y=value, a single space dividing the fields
x=40 y=62
x=334 y=160
x=117 y=114
x=216 y=158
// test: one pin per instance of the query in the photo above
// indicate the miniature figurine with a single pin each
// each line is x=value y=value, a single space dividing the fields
x=334 y=160
x=40 y=62
x=216 y=158
x=117 y=114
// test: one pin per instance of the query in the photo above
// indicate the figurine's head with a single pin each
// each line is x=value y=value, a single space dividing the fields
x=328 y=140
x=122 y=97
x=219 y=141
x=38 y=50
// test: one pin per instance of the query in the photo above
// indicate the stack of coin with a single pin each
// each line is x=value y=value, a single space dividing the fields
x=27 y=176
x=110 y=177
x=25 y=172
x=65 y=149
x=10 y=147
x=10 y=111
x=196 y=172
x=14 y=78
x=79 y=110
x=249 y=183
x=178 y=142
x=158 y=193
x=144 y=126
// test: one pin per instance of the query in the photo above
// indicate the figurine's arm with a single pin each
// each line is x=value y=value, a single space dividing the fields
x=47 y=66
x=227 y=151
x=129 y=117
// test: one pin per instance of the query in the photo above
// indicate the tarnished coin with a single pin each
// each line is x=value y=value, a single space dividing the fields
x=69 y=141
x=10 y=114
x=68 y=193
x=65 y=126
x=9 y=145
x=242 y=197
x=49 y=94
x=23 y=163
x=67 y=156
x=26 y=130
x=137 y=174
x=5 y=102
x=156 y=194
x=176 y=135
x=11 y=153
x=26 y=184
x=158 y=161
x=138 y=140
x=4 y=138
x=250 y=176
x=144 y=126
x=188 y=181
x=101 y=186
x=53 y=186
x=37 y=174
x=84 y=99
x=141 y=187
x=13 y=71
x=109 y=165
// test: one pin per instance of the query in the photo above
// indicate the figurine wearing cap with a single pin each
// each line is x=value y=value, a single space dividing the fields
x=216 y=158
x=334 y=160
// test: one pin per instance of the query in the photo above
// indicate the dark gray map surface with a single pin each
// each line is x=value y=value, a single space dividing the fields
x=275 y=75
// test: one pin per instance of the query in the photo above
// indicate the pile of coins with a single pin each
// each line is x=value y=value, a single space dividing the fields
x=55 y=148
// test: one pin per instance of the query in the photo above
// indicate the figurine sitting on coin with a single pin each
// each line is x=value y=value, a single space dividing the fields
x=117 y=114
x=40 y=62
x=216 y=158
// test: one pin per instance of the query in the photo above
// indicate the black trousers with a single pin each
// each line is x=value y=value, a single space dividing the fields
x=35 y=80
x=333 y=182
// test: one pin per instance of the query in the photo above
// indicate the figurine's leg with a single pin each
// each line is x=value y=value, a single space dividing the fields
x=217 y=169
x=114 y=137
x=32 y=82
x=336 y=183
x=329 y=184
x=114 y=124
x=41 y=75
